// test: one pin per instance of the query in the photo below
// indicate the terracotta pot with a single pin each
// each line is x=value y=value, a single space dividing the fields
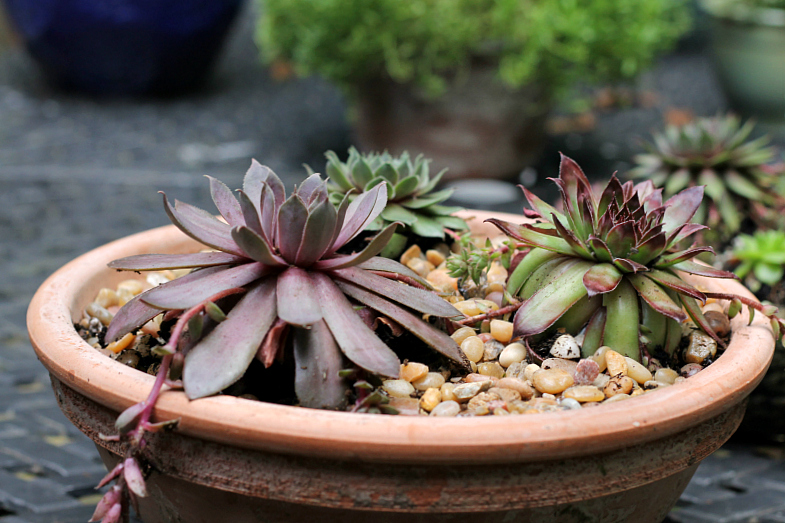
x=238 y=460
x=479 y=128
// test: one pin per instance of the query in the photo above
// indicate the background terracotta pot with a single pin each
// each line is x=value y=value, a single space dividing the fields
x=238 y=460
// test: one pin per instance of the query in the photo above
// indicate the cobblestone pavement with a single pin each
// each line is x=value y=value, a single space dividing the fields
x=76 y=173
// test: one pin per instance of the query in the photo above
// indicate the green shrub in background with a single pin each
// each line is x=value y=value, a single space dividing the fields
x=424 y=42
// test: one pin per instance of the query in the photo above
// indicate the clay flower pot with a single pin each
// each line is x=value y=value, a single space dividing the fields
x=237 y=460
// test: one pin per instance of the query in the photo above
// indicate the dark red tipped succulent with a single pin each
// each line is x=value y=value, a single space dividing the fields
x=610 y=264
x=282 y=254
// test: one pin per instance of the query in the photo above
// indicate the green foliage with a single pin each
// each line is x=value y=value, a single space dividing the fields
x=473 y=261
x=425 y=42
x=761 y=257
x=717 y=153
x=412 y=198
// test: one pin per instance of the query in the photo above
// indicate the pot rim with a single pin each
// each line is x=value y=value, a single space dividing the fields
x=393 y=439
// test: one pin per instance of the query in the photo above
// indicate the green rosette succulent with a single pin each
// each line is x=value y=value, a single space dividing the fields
x=298 y=294
x=761 y=258
x=716 y=153
x=610 y=265
x=411 y=196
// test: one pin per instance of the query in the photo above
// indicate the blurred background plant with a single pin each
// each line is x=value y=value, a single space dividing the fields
x=761 y=258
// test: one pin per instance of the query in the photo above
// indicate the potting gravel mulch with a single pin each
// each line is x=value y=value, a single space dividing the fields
x=76 y=173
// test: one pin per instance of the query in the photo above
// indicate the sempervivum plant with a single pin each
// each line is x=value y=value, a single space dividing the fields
x=761 y=258
x=281 y=254
x=716 y=153
x=610 y=264
x=411 y=198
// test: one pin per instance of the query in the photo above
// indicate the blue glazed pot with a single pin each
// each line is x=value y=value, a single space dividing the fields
x=124 y=47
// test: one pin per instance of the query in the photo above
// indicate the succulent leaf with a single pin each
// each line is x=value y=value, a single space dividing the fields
x=226 y=203
x=201 y=227
x=157 y=262
x=317 y=362
x=297 y=302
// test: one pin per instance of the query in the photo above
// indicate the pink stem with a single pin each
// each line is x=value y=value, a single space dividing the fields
x=493 y=314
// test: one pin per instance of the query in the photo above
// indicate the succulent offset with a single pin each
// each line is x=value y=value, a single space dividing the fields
x=281 y=255
x=411 y=199
x=610 y=264
x=761 y=258
x=716 y=153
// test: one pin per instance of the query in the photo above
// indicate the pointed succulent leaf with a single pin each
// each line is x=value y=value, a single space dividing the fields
x=427 y=200
x=378 y=263
x=427 y=227
x=668 y=279
x=656 y=297
x=223 y=356
x=128 y=419
x=134 y=477
x=201 y=226
x=575 y=243
x=336 y=173
x=310 y=187
x=256 y=247
x=679 y=234
x=549 y=303
x=621 y=324
x=361 y=173
x=681 y=208
x=226 y=203
x=601 y=278
x=406 y=187
x=452 y=222
x=673 y=258
x=291 y=223
x=715 y=188
x=259 y=176
x=251 y=216
x=397 y=213
x=171 y=297
x=297 y=302
x=600 y=249
x=542 y=208
x=529 y=235
x=621 y=238
x=426 y=302
x=112 y=498
x=388 y=172
x=362 y=211
x=354 y=338
x=650 y=249
x=526 y=267
x=432 y=336
x=317 y=361
x=628 y=265
x=317 y=236
x=371 y=250
x=703 y=270
x=157 y=262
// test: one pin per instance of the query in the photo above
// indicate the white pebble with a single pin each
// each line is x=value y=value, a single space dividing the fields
x=431 y=380
x=398 y=388
x=571 y=403
x=512 y=353
x=446 y=409
x=566 y=347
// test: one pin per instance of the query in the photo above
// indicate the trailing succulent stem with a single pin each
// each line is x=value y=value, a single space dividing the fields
x=412 y=198
x=609 y=265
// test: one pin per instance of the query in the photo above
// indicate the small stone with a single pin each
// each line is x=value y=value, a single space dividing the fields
x=492 y=350
x=599 y=357
x=474 y=348
x=491 y=368
x=529 y=370
x=636 y=392
x=430 y=380
x=507 y=395
x=406 y=406
x=584 y=393
x=516 y=370
x=701 y=347
x=552 y=381
x=501 y=330
x=466 y=391
x=586 y=372
x=413 y=371
x=652 y=384
x=512 y=353
x=435 y=257
x=521 y=387
x=690 y=369
x=411 y=253
x=565 y=347
x=446 y=409
x=601 y=380
x=619 y=384
x=719 y=322
x=430 y=399
x=617 y=397
x=617 y=365
x=570 y=403
x=133 y=286
x=568 y=366
x=478 y=378
x=637 y=371
x=678 y=380
x=666 y=375
x=398 y=388
x=447 y=392
x=442 y=281
x=462 y=333
x=420 y=266
x=481 y=401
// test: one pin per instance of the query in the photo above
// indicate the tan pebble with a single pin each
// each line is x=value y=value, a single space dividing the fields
x=430 y=399
x=442 y=281
x=468 y=308
x=492 y=350
x=465 y=391
x=691 y=369
x=516 y=370
x=568 y=366
x=636 y=392
x=617 y=364
x=617 y=397
x=153 y=326
x=552 y=381
x=406 y=406
x=481 y=400
x=474 y=348
x=496 y=273
x=507 y=395
x=124 y=296
x=701 y=347
x=599 y=357
x=398 y=388
x=501 y=330
x=479 y=378
x=529 y=370
x=519 y=386
x=485 y=336
x=446 y=409
x=512 y=353
x=637 y=371
x=106 y=298
x=565 y=347
x=619 y=384
x=133 y=286
x=678 y=380
x=490 y=368
x=435 y=257
x=121 y=344
x=501 y=412
x=461 y=334
x=430 y=380
x=156 y=278
x=420 y=266
x=413 y=371
x=601 y=380
x=473 y=366
x=584 y=393
x=719 y=322
x=411 y=253
x=96 y=311
x=653 y=384
x=666 y=375
x=447 y=391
